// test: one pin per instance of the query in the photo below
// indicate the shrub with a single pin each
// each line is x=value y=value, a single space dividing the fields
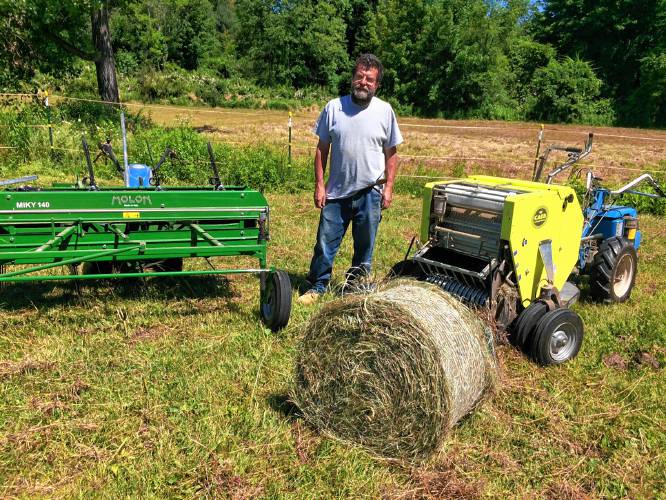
x=157 y=85
x=568 y=92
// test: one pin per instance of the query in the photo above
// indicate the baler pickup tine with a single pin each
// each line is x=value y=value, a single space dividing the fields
x=61 y=236
x=199 y=230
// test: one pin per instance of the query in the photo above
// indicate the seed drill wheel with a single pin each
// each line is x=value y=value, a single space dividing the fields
x=558 y=337
x=275 y=304
x=614 y=270
x=525 y=326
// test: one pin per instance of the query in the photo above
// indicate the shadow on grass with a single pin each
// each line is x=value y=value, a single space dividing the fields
x=282 y=404
x=14 y=296
x=299 y=282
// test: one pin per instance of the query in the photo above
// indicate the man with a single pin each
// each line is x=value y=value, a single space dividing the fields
x=361 y=134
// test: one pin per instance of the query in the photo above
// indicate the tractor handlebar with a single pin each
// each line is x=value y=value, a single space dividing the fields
x=574 y=155
x=627 y=188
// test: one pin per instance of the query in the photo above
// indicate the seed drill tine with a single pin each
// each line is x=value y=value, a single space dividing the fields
x=91 y=172
x=215 y=180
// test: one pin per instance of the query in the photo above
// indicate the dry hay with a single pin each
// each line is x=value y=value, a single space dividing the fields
x=394 y=370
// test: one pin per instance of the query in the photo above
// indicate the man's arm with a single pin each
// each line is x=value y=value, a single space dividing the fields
x=391 y=167
x=321 y=157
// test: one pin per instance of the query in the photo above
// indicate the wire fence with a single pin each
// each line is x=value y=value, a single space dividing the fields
x=296 y=147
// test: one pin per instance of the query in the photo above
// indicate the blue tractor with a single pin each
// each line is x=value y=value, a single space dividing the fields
x=611 y=236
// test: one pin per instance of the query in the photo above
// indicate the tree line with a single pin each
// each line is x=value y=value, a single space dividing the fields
x=598 y=62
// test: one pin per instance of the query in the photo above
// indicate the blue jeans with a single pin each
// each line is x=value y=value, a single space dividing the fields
x=364 y=211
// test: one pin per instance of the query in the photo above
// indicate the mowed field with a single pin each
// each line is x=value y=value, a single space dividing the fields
x=499 y=148
x=173 y=388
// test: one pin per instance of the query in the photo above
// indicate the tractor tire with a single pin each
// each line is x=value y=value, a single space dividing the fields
x=275 y=306
x=522 y=334
x=614 y=270
x=558 y=337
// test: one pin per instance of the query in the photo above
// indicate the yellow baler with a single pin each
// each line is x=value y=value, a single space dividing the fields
x=510 y=245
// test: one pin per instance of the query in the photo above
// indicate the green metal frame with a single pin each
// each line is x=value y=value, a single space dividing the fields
x=61 y=226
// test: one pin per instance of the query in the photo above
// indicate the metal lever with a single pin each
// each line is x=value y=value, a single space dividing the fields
x=91 y=172
x=106 y=150
x=167 y=152
x=575 y=155
x=215 y=180
x=645 y=177
x=9 y=182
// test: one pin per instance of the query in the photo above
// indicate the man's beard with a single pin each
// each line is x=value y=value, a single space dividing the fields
x=360 y=96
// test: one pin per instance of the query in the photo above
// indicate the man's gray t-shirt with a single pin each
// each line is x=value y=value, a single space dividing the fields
x=358 y=137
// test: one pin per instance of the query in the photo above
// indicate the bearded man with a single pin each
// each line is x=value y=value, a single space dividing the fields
x=361 y=133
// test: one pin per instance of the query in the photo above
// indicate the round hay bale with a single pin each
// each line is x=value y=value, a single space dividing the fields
x=393 y=370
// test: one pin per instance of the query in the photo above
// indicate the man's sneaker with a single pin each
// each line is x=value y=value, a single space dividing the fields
x=309 y=297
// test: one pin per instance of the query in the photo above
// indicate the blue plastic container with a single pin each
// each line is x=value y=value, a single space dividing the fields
x=139 y=175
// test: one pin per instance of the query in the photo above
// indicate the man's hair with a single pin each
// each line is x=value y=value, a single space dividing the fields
x=370 y=61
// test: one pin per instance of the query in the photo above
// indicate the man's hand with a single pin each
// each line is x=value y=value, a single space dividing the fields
x=387 y=197
x=321 y=156
x=391 y=161
x=320 y=195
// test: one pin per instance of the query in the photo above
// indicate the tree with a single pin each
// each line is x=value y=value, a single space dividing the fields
x=615 y=36
x=448 y=56
x=357 y=17
x=567 y=92
x=49 y=36
x=105 y=64
x=293 y=42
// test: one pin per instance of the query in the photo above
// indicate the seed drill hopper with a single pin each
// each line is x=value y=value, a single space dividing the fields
x=519 y=248
x=141 y=229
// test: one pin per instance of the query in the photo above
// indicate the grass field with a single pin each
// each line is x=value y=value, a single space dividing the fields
x=173 y=387
x=502 y=148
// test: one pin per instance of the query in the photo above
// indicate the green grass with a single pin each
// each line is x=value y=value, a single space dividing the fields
x=174 y=388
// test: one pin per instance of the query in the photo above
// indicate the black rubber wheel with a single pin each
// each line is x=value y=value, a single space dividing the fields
x=275 y=304
x=558 y=337
x=525 y=326
x=613 y=271
x=405 y=269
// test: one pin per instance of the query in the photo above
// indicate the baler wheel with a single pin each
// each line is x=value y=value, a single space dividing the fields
x=614 y=270
x=523 y=331
x=275 y=304
x=558 y=337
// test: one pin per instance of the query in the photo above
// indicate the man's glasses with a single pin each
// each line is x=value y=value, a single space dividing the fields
x=360 y=78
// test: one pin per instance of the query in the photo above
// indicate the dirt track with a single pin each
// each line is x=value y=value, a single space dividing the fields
x=500 y=148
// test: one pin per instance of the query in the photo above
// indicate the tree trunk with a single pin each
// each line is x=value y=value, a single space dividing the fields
x=104 y=62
